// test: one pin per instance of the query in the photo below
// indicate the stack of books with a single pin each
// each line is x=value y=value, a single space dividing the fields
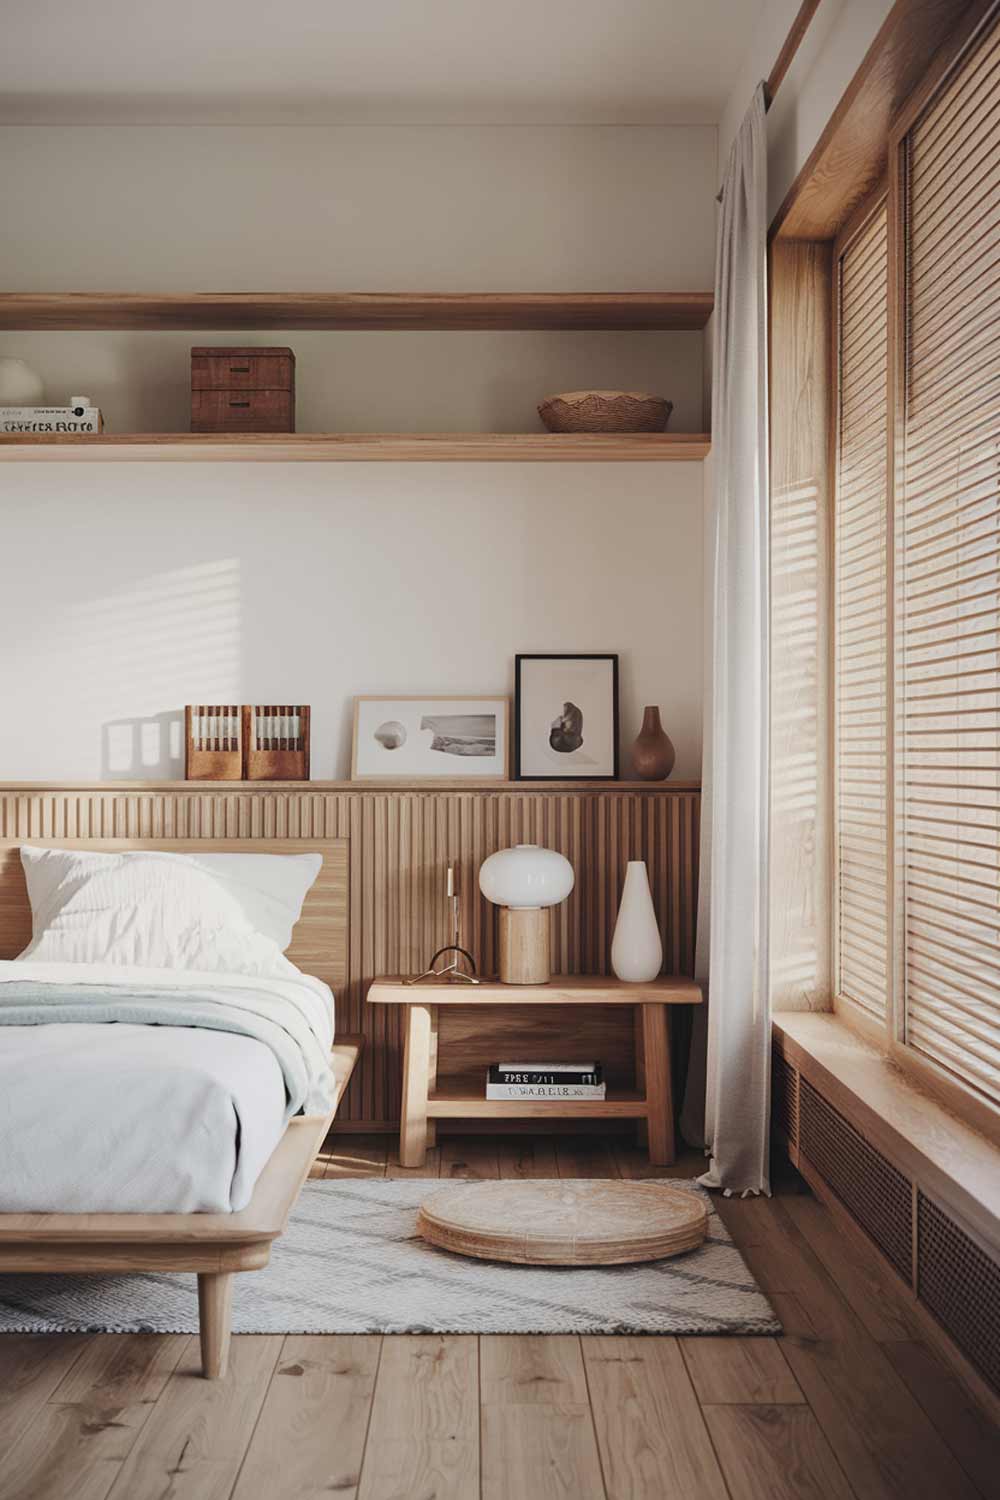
x=545 y=1081
x=50 y=419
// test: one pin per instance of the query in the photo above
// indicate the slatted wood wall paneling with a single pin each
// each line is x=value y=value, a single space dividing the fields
x=401 y=843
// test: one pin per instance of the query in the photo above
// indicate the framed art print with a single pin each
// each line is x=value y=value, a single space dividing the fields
x=401 y=739
x=566 y=717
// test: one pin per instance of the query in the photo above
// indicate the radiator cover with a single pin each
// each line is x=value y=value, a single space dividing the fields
x=960 y=1285
x=878 y=1196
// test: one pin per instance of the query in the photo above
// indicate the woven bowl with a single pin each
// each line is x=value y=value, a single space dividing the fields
x=605 y=411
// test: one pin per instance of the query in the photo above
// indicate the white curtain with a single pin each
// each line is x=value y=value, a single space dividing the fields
x=730 y=1060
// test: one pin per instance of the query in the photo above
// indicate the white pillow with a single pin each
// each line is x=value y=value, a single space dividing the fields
x=226 y=913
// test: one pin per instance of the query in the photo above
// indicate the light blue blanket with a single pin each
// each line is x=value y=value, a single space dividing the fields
x=280 y=1014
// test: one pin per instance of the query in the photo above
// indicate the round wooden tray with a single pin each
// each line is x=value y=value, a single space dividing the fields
x=586 y=1223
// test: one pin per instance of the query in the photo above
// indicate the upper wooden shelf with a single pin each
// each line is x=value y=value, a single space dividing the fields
x=359 y=310
x=356 y=447
x=429 y=784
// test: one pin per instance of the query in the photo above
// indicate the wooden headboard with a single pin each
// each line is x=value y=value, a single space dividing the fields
x=319 y=943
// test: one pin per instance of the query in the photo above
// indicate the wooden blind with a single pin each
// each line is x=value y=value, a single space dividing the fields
x=862 y=619
x=947 y=604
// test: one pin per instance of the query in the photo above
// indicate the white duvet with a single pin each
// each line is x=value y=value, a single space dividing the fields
x=129 y=1090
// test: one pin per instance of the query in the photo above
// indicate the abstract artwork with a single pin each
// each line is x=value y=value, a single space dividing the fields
x=566 y=717
x=403 y=738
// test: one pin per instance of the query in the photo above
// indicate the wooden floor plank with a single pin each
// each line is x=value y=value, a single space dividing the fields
x=527 y=1156
x=863 y=1278
x=743 y=1371
x=652 y=1436
x=585 y=1156
x=970 y=1434
x=423 y=1439
x=77 y=1442
x=754 y=1231
x=310 y=1437
x=199 y=1430
x=532 y=1369
x=31 y=1367
x=538 y=1435
x=775 y=1453
x=355 y=1155
x=430 y=1168
x=877 y=1429
x=633 y=1161
x=475 y=1156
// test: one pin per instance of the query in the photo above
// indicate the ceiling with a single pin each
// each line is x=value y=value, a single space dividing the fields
x=372 y=61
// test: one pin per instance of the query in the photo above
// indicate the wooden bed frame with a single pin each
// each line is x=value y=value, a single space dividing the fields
x=214 y=1246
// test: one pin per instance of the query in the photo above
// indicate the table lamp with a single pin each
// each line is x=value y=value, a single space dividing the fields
x=524 y=882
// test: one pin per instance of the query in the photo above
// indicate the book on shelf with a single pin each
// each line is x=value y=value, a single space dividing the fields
x=546 y=1072
x=545 y=1091
x=545 y=1081
x=51 y=419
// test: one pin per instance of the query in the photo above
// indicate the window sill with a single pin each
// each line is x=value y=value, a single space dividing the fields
x=959 y=1165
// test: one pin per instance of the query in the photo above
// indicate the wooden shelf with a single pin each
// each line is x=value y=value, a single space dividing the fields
x=352 y=447
x=620 y=1104
x=358 y=310
x=431 y=785
x=561 y=989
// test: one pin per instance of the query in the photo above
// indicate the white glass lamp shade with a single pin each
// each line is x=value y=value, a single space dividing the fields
x=526 y=876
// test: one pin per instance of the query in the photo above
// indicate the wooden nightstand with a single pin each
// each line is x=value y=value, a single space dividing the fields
x=650 y=1101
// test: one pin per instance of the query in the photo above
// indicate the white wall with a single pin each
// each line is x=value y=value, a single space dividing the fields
x=357 y=208
x=839 y=35
x=130 y=590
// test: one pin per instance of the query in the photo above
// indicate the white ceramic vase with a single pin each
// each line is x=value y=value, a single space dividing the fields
x=636 y=948
x=19 y=384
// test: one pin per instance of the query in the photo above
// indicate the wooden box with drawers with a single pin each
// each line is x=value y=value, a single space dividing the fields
x=242 y=390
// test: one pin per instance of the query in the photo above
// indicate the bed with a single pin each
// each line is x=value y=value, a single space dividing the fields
x=214 y=1245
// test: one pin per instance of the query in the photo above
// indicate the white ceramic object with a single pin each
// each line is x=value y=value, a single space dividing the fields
x=20 y=385
x=526 y=876
x=636 y=948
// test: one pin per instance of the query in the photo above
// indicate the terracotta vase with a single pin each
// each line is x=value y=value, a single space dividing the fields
x=653 y=754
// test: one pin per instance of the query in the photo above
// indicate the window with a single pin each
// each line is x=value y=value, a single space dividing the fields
x=917 y=591
x=948 y=585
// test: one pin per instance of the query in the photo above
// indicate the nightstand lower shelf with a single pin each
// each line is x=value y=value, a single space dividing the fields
x=619 y=1105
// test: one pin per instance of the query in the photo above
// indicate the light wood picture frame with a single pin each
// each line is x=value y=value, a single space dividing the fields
x=430 y=737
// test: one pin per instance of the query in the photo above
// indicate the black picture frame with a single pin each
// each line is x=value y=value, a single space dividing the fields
x=554 y=656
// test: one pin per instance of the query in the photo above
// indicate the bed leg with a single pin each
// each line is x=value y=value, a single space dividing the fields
x=215 y=1297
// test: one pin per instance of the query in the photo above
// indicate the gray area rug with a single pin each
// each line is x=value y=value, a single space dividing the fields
x=351 y=1262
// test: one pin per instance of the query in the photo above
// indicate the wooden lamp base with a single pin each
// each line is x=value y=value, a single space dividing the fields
x=524 y=956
